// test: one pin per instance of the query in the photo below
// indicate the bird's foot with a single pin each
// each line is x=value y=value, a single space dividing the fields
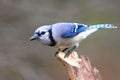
x=60 y=50
x=57 y=52
x=70 y=51
x=67 y=53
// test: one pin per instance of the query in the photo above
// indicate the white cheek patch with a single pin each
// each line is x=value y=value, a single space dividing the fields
x=45 y=39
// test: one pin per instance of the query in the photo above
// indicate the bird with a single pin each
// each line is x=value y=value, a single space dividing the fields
x=66 y=36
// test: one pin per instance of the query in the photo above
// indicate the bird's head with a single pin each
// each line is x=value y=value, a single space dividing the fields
x=43 y=34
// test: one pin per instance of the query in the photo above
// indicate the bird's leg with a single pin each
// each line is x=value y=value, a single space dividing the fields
x=70 y=50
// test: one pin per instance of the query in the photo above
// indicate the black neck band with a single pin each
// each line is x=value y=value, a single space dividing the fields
x=53 y=42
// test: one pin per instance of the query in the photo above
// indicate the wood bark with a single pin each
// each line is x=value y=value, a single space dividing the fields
x=78 y=68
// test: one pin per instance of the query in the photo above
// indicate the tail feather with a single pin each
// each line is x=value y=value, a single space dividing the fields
x=102 y=26
x=93 y=28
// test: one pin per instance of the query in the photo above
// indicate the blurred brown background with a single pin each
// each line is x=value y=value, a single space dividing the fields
x=24 y=60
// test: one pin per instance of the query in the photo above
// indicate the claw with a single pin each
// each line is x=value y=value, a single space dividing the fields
x=57 y=52
x=67 y=54
x=64 y=49
x=70 y=51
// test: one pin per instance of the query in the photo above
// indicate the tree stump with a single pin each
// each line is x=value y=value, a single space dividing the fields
x=78 y=68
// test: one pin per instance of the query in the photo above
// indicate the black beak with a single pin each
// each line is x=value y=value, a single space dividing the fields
x=34 y=37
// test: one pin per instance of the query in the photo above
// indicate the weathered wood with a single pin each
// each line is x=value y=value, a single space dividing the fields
x=78 y=68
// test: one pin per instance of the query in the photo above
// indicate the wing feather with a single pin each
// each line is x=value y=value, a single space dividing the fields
x=74 y=30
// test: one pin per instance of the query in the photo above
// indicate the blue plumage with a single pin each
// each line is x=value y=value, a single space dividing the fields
x=102 y=26
x=74 y=30
x=66 y=35
x=78 y=28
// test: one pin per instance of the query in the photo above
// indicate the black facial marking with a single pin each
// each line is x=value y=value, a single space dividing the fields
x=43 y=32
x=38 y=33
x=53 y=42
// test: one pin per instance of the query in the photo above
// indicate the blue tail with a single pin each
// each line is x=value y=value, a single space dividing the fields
x=102 y=26
x=93 y=28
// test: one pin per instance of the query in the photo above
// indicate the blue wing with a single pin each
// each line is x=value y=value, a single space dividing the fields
x=74 y=30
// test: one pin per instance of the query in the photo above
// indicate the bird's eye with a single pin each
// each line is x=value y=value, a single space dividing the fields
x=42 y=33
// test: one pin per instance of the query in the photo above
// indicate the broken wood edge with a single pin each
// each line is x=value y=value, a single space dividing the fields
x=78 y=68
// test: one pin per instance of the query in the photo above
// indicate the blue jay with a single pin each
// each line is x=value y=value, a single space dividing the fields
x=66 y=35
